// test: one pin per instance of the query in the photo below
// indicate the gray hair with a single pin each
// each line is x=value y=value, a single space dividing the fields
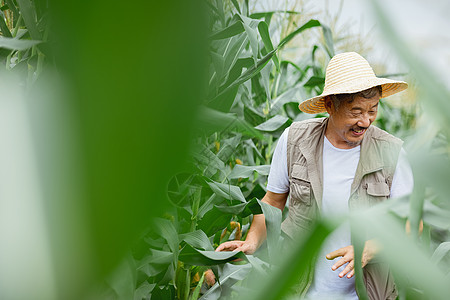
x=367 y=94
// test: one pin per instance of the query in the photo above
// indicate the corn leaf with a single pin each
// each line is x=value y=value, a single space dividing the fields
x=30 y=18
x=263 y=29
x=15 y=44
x=273 y=124
x=249 y=73
x=196 y=257
x=3 y=27
x=272 y=217
x=240 y=171
x=242 y=210
x=157 y=257
x=295 y=263
x=197 y=239
x=144 y=290
x=328 y=36
x=167 y=230
x=232 y=30
x=309 y=24
x=227 y=191
x=441 y=251
x=213 y=221
x=229 y=275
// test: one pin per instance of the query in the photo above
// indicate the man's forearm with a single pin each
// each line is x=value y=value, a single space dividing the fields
x=257 y=232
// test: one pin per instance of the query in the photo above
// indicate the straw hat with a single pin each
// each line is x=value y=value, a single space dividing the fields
x=350 y=73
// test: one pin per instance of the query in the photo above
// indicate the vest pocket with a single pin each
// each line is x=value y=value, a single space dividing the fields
x=300 y=187
x=378 y=189
x=300 y=192
x=376 y=192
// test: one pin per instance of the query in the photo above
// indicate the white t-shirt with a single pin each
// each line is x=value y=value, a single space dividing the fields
x=339 y=168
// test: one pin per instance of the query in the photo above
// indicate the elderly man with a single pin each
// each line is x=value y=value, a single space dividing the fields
x=330 y=165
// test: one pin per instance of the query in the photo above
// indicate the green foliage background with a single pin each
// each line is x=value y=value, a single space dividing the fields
x=121 y=102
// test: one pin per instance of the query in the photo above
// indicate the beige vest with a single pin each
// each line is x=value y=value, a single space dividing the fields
x=371 y=185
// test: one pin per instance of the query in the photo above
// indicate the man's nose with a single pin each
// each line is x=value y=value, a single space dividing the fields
x=364 y=121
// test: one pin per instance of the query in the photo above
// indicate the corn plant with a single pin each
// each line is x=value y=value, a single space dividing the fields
x=252 y=87
x=24 y=28
x=252 y=97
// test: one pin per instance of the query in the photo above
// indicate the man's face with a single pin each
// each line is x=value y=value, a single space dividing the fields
x=348 y=123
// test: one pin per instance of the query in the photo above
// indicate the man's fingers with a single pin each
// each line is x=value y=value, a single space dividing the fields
x=227 y=246
x=350 y=275
x=338 y=264
x=231 y=246
x=335 y=253
x=347 y=269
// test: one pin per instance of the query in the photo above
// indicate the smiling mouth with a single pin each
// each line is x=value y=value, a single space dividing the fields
x=359 y=131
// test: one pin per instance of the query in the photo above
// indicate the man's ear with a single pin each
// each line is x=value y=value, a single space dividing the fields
x=329 y=105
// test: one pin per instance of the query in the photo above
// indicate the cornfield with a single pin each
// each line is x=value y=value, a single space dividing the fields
x=138 y=137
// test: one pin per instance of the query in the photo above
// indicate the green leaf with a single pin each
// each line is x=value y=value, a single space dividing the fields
x=227 y=191
x=180 y=189
x=243 y=209
x=286 y=97
x=228 y=147
x=197 y=289
x=144 y=290
x=208 y=205
x=240 y=171
x=315 y=81
x=252 y=36
x=196 y=257
x=15 y=44
x=441 y=251
x=229 y=275
x=296 y=262
x=233 y=50
x=30 y=19
x=122 y=279
x=236 y=71
x=167 y=230
x=218 y=62
x=208 y=159
x=156 y=257
x=214 y=220
x=4 y=28
x=309 y=24
x=263 y=29
x=232 y=30
x=328 y=36
x=224 y=101
x=197 y=239
x=260 y=15
x=236 y=4
x=250 y=73
x=273 y=124
x=272 y=217
x=265 y=76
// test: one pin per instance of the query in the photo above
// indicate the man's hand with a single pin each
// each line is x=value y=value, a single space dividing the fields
x=244 y=246
x=347 y=253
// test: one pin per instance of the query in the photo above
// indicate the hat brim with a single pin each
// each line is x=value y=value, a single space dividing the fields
x=389 y=87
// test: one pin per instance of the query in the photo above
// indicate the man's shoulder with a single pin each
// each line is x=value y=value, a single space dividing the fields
x=309 y=123
x=306 y=129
